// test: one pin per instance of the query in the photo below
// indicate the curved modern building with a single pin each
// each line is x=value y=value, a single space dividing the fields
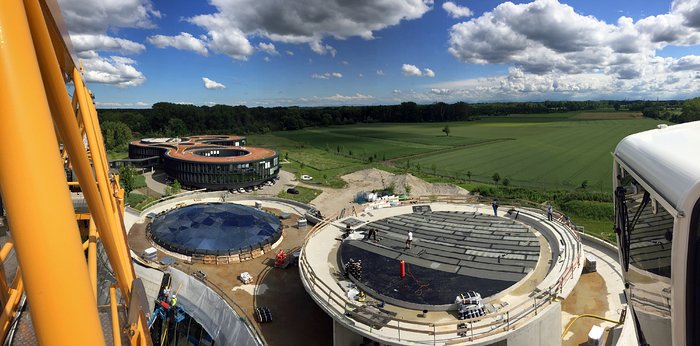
x=216 y=162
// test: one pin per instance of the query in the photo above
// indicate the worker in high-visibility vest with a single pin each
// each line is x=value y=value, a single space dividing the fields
x=173 y=300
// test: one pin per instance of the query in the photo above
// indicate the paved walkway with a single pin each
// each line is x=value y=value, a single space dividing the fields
x=154 y=184
x=286 y=180
x=599 y=293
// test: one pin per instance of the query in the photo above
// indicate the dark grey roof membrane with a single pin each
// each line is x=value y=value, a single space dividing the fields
x=214 y=229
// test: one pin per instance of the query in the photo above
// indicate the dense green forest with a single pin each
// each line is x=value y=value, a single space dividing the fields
x=168 y=119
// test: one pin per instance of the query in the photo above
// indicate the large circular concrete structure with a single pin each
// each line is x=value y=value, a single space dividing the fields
x=213 y=162
x=214 y=229
x=518 y=261
x=452 y=252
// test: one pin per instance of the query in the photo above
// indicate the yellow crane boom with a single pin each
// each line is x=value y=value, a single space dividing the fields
x=37 y=115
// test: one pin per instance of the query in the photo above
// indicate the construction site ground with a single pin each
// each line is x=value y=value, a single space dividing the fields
x=295 y=316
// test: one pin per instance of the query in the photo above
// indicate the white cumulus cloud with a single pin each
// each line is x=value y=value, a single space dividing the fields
x=211 y=84
x=327 y=75
x=138 y=104
x=322 y=49
x=268 y=48
x=357 y=96
x=301 y=21
x=116 y=70
x=520 y=85
x=411 y=70
x=96 y=17
x=183 y=41
x=380 y=72
x=552 y=48
x=224 y=39
x=456 y=11
x=440 y=91
x=99 y=42
x=88 y=24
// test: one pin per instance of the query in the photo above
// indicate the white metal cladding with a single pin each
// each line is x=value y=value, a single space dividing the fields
x=667 y=158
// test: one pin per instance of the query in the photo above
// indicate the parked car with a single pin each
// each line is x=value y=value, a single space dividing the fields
x=293 y=191
x=241 y=190
x=306 y=177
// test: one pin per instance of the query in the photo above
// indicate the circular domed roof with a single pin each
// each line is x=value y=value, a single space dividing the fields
x=214 y=229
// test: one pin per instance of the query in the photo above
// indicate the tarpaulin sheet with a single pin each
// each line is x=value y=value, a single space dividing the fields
x=211 y=311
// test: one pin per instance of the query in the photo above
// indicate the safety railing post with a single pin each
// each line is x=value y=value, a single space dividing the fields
x=535 y=304
x=471 y=330
x=398 y=328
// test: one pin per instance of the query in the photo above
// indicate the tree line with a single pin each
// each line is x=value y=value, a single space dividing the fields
x=169 y=120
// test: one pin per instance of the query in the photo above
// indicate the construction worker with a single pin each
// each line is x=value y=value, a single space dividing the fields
x=372 y=234
x=166 y=292
x=173 y=300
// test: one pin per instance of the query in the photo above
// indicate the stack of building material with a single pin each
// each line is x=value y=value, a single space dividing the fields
x=150 y=254
x=246 y=278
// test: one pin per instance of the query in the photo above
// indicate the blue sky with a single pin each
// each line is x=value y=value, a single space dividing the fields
x=329 y=52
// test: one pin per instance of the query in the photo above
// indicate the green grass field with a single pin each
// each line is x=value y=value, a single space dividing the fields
x=548 y=155
x=138 y=201
x=599 y=228
x=139 y=181
x=306 y=195
x=543 y=151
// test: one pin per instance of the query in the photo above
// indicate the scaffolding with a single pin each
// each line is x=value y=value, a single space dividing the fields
x=45 y=129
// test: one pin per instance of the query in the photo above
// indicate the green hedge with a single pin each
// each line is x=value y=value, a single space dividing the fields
x=135 y=198
x=558 y=198
x=589 y=209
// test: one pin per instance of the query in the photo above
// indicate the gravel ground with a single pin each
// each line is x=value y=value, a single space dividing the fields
x=333 y=200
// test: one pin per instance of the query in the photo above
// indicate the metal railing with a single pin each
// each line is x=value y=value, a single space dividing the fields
x=198 y=195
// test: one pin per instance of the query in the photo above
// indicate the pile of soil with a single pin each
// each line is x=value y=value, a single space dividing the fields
x=332 y=200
